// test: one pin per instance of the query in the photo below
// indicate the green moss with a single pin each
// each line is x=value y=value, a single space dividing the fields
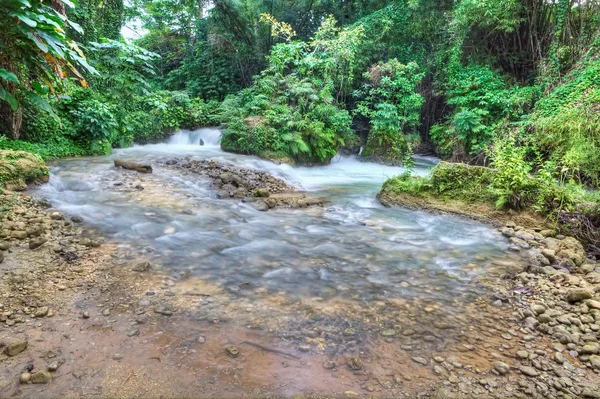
x=18 y=168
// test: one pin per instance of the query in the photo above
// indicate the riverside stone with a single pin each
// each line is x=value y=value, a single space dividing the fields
x=579 y=294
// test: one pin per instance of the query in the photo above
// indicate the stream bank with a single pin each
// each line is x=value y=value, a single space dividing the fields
x=346 y=300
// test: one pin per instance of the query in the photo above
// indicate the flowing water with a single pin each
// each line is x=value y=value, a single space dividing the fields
x=338 y=280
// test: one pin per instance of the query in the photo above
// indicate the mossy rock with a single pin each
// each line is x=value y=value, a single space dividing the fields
x=20 y=168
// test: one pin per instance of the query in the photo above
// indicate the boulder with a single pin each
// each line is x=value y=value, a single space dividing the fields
x=15 y=346
x=19 y=168
x=572 y=249
x=41 y=377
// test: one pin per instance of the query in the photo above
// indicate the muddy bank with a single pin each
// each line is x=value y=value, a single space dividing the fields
x=262 y=190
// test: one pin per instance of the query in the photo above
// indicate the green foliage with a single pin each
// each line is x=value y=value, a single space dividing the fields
x=291 y=110
x=511 y=182
x=388 y=99
x=35 y=56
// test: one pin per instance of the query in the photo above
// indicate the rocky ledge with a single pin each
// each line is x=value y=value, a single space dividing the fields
x=260 y=189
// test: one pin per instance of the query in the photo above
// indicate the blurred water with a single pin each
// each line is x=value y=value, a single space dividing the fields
x=354 y=246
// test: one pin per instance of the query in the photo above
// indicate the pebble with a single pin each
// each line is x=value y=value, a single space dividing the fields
x=53 y=366
x=201 y=339
x=24 y=378
x=529 y=371
x=232 y=351
x=419 y=360
x=502 y=368
x=117 y=356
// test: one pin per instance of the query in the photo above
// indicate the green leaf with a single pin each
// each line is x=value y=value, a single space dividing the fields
x=8 y=76
x=39 y=88
x=69 y=3
x=26 y=20
x=75 y=26
x=34 y=39
x=9 y=98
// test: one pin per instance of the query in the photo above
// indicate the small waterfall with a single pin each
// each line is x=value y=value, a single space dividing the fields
x=211 y=137
x=362 y=147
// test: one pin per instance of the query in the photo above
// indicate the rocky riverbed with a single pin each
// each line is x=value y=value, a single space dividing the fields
x=262 y=190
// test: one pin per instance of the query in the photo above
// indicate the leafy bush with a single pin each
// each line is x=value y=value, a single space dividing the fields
x=291 y=110
x=389 y=100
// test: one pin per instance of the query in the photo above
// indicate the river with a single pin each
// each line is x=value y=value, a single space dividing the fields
x=351 y=278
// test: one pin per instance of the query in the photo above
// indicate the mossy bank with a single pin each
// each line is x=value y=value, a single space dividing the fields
x=19 y=168
x=474 y=192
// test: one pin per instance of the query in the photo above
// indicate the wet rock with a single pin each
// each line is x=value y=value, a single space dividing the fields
x=142 y=267
x=260 y=205
x=16 y=346
x=354 y=363
x=502 y=368
x=1 y=256
x=41 y=377
x=76 y=219
x=24 y=378
x=579 y=294
x=232 y=351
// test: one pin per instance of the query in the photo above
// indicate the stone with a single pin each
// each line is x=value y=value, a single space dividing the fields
x=76 y=219
x=260 y=205
x=579 y=294
x=595 y=362
x=559 y=358
x=85 y=315
x=502 y=368
x=41 y=377
x=232 y=351
x=593 y=304
x=329 y=365
x=529 y=371
x=354 y=363
x=419 y=360
x=53 y=366
x=4 y=246
x=201 y=339
x=41 y=311
x=388 y=332
x=591 y=348
x=166 y=309
x=523 y=355
x=24 y=378
x=15 y=347
x=1 y=256
x=117 y=356
x=142 y=267
x=571 y=249
x=591 y=393
x=106 y=312
x=538 y=309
